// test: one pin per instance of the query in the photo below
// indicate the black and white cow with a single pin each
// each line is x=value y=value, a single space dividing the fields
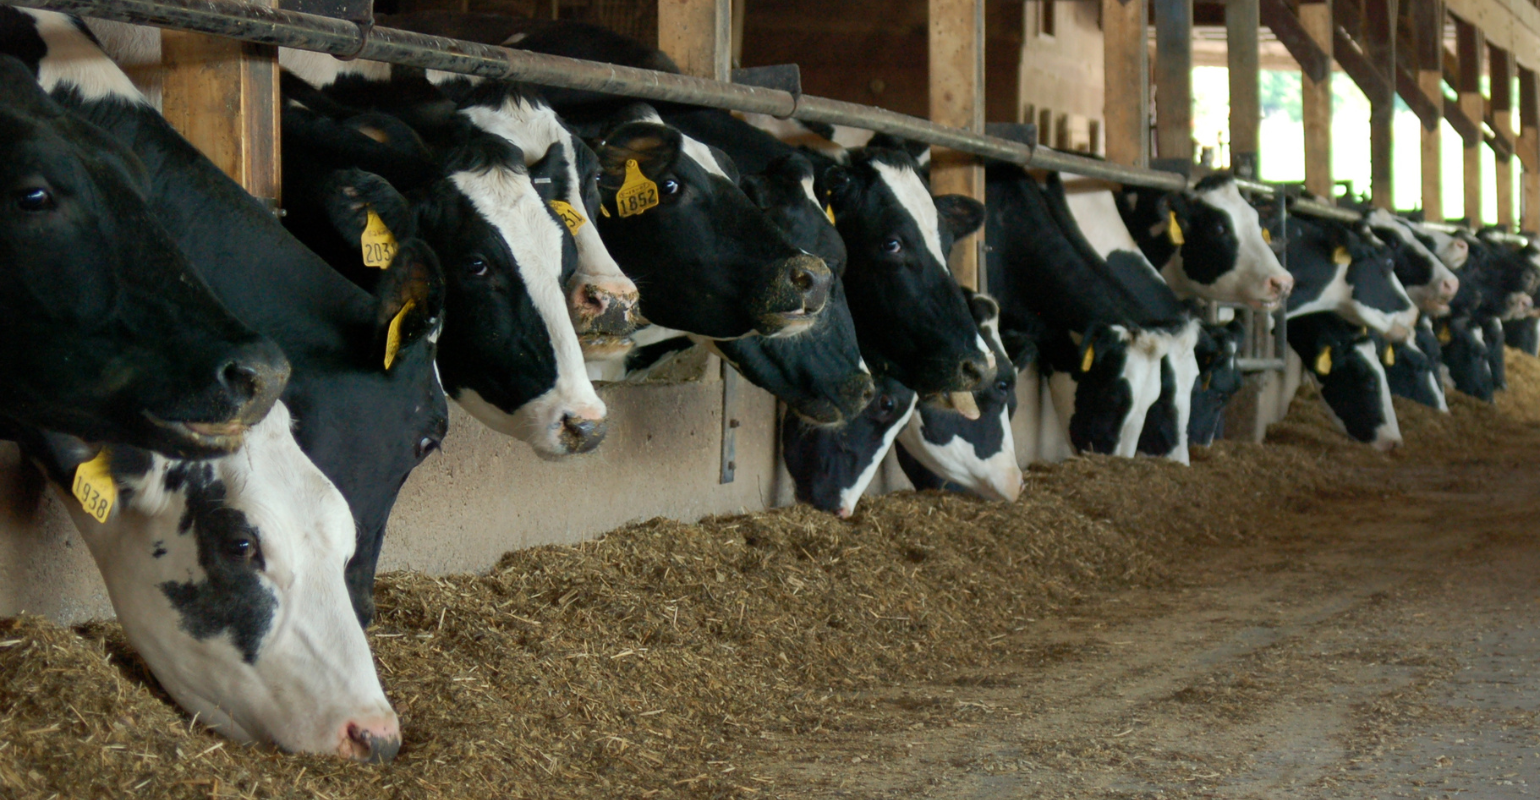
x=1464 y=353
x=1346 y=363
x=1428 y=281
x=832 y=466
x=366 y=425
x=110 y=335
x=1207 y=242
x=227 y=575
x=1347 y=271
x=1219 y=379
x=1412 y=372
x=1498 y=285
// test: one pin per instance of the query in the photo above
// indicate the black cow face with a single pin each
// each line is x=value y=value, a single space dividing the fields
x=910 y=315
x=1465 y=354
x=832 y=467
x=1347 y=364
x=704 y=258
x=1218 y=380
x=1411 y=374
x=109 y=335
x=1103 y=396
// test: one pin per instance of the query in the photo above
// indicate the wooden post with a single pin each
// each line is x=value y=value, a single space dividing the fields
x=1428 y=28
x=1500 y=68
x=1243 y=21
x=1315 y=99
x=1379 y=42
x=957 y=99
x=698 y=35
x=1528 y=147
x=1468 y=45
x=222 y=95
x=1126 y=63
x=1173 y=83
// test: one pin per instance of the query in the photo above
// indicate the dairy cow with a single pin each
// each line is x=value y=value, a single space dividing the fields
x=1498 y=285
x=1346 y=363
x=364 y=423
x=1463 y=351
x=1412 y=372
x=1344 y=270
x=832 y=466
x=1429 y=282
x=1207 y=242
x=1218 y=380
x=227 y=576
x=110 y=334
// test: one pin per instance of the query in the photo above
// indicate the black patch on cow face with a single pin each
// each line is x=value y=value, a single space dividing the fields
x=1523 y=334
x=1350 y=386
x=910 y=315
x=1465 y=355
x=1311 y=245
x=986 y=434
x=1413 y=266
x=823 y=462
x=231 y=598
x=1211 y=244
x=1159 y=434
x=1411 y=374
x=1373 y=276
x=1103 y=397
x=1218 y=380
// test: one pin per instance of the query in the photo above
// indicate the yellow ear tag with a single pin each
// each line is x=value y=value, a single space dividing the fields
x=393 y=334
x=93 y=486
x=1444 y=336
x=569 y=215
x=637 y=194
x=1174 y=231
x=604 y=212
x=1323 y=362
x=1341 y=256
x=1267 y=236
x=1207 y=379
x=378 y=243
x=1090 y=357
x=828 y=211
x=1390 y=356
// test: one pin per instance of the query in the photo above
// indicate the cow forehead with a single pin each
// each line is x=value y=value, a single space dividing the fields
x=74 y=60
x=912 y=196
x=1226 y=198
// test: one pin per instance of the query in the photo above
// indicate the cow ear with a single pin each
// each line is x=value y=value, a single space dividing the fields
x=834 y=184
x=410 y=300
x=960 y=215
x=350 y=195
x=985 y=310
x=653 y=147
x=727 y=163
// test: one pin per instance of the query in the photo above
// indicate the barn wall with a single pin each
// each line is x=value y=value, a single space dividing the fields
x=1062 y=77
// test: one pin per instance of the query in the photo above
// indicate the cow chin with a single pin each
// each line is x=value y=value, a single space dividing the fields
x=553 y=425
x=785 y=324
x=599 y=347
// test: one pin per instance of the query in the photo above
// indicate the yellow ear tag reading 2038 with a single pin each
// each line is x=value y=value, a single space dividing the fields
x=1341 y=256
x=1323 y=362
x=1089 y=359
x=93 y=486
x=569 y=215
x=1174 y=230
x=378 y=243
x=637 y=194
x=393 y=334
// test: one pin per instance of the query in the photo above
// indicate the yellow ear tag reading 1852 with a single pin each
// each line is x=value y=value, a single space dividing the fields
x=637 y=194
x=93 y=486
x=1323 y=362
x=1089 y=359
x=378 y=243
x=1341 y=256
x=1174 y=230
x=569 y=215
x=1390 y=356
x=393 y=334
x=828 y=211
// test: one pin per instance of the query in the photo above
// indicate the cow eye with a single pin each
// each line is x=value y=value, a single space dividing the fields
x=476 y=266
x=885 y=404
x=242 y=548
x=669 y=186
x=1001 y=386
x=35 y=199
x=425 y=446
x=892 y=247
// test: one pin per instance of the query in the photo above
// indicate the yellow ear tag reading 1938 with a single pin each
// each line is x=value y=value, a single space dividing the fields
x=1341 y=256
x=1390 y=356
x=393 y=334
x=93 y=486
x=378 y=243
x=569 y=215
x=1323 y=362
x=1089 y=359
x=1174 y=230
x=828 y=211
x=637 y=194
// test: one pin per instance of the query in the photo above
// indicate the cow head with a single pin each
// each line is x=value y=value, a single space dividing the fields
x=910 y=315
x=1379 y=300
x=978 y=455
x=832 y=467
x=1464 y=350
x=1216 y=244
x=1410 y=373
x=111 y=336
x=1428 y=281
x=706 y=259
x=227 y=575
x=1219 y=379
x=1347 y=365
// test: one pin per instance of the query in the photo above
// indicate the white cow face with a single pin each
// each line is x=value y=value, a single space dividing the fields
x=227 y=575
x=1224 y=256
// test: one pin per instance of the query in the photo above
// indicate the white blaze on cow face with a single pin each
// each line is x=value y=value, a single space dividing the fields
x=321 y=70
x=1257 y=279
x=227 y=576
x=851 y=495
x=911 y=193
x=74 y=60
x=533 y=235
x=1095 y=211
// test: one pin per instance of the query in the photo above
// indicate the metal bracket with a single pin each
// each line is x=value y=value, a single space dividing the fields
x=730 y=423
x=783 y=77
x=1018 y=132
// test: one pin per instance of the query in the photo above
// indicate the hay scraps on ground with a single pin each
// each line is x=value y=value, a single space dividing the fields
x=645 y=664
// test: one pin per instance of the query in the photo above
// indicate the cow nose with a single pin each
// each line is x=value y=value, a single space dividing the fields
x=1386 y=445
x=810 y=278
x=582 y=434
x=1449 y=287
x=372 y=742
x=253 y=378
x=972 y=373
x=1279 y=286
x=604 y=308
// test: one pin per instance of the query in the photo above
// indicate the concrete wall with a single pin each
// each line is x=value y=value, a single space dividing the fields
x=1062 y=76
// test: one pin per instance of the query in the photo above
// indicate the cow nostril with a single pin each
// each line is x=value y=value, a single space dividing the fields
x=802 y=279
x=594 y=299
x=373 y=747
x=241 y=381
x=582 y=434
x=972 y=374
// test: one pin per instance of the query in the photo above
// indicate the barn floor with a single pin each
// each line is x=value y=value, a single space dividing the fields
x=1306 y=618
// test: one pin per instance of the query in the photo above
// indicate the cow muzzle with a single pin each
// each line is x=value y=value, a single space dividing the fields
x=1275 y=290
x=604 y=315
x=801 y=287
x=582 y=434
x=247 y=385
x=371 y=741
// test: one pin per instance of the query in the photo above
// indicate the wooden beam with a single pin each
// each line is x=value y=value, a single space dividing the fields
x=1316 y=18
x=1173 y=82
x=1379 y=45
x=1468 y=46
x=1528 y=148
x=1426 y=56
x=1313 y=61
x=698 y=35
x=222 y=95
x=1500 y=70
x=1125 y=58
x=957 y=99
x=1242 y=25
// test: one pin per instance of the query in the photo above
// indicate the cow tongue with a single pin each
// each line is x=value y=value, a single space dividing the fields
x=964 y=404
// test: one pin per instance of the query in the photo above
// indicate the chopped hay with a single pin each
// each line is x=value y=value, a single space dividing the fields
x=648 y=663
